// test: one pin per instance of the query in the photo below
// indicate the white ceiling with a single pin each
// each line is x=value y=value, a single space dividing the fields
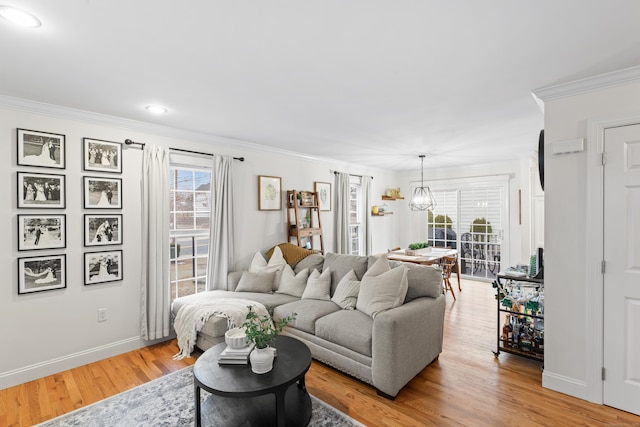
x=369 y=82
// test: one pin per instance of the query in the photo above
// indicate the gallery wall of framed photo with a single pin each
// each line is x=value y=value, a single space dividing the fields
x=42 y=204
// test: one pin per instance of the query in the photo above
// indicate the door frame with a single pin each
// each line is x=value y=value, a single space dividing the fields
x=595 y=251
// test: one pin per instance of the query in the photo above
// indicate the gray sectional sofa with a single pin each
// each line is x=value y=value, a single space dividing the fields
x=377 y=320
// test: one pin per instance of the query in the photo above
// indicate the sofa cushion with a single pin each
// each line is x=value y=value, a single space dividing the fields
x=351 y=329
x=293 y=254
x=276 y=262
x=346 y=293
x=256 y=282
x=382 y=290
x=307 y=311
x=312 y=262
x=341 y=264
x=424 y=281
x=318 y=286
x=291 y=283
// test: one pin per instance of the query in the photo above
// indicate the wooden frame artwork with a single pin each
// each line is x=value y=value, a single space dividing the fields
x=269 y=193
x=42 y=273
x=41 y=149
x=324 y=195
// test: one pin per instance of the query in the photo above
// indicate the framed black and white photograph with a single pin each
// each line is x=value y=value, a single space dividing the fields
x=102 y=267
x=101 y=156
x=41 y=232
x=324 y=195
x=102 y=193
x=41 y=149
x=42 y=273
x=39 y=190
x=102 y=230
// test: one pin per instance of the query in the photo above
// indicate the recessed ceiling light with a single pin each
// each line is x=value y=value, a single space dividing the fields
x=156 y=109
x=19 y=17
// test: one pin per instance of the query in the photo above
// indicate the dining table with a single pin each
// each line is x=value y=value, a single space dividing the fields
x=434 y=256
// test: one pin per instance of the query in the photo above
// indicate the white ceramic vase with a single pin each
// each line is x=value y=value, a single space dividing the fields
x=261 y=360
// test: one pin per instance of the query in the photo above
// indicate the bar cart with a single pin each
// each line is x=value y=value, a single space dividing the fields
x=520 y=318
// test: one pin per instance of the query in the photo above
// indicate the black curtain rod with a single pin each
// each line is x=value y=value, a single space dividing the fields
x=337 y=172
x=141 y=144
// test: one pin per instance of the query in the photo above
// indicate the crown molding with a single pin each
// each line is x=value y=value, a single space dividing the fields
x=235 y=145
x=588 y=84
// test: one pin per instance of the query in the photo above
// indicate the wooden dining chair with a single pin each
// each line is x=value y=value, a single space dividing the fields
x=449 y=264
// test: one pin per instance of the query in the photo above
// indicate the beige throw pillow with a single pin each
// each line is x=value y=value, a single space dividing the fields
x=256 y=282
x=318 y=286
x=291 y=283
x=382 y=288
x=346 y=293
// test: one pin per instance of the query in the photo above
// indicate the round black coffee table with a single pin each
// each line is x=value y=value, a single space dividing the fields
x=240 y=397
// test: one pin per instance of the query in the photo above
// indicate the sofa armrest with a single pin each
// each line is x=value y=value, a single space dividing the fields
x=405 y=340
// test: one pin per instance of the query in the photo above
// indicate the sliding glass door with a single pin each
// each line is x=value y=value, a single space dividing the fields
x=471 y=219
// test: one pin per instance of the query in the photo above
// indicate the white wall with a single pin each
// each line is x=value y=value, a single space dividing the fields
x=47 y=332
x=44 y=333
x=573 y=303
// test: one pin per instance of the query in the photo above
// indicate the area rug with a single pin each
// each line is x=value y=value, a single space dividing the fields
x=168 y=402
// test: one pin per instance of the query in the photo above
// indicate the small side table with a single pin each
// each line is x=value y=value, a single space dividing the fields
x=240 y=397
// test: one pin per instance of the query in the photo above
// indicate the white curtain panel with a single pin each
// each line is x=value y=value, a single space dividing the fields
x=221 y=250
x=155 y=294
x=366 y=206
x=341 y=227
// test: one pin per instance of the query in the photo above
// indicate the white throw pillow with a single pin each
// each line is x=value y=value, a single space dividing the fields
x=276 y=262
x=318 y=286
x=256 y=282
x=346 y=293
x=291 y=283
x=382 y=291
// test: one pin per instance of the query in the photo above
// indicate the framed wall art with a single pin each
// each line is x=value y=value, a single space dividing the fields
x=39 y=190
x=42 y=273
x=41 y=232
x=324 y=195
x=102 y=193
x=102 y=267
x=101 y=156
x=269 y=193
x=41 y=149
x=102 y=230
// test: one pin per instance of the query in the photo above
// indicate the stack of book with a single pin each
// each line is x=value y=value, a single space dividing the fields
x=235 y=356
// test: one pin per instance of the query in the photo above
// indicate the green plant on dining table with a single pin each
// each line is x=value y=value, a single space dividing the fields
x=261 y=330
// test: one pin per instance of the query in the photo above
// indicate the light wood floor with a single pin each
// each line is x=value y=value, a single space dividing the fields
x=466 y=386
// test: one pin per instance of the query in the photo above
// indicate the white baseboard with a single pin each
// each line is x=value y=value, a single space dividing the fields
x=565 y=385
x=53 y=366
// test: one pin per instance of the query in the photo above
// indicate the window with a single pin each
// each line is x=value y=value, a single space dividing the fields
x=470 y=219
x=355 y=214
x=189 y=229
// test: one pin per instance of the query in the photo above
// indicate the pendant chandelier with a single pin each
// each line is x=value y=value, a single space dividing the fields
x=422 y=199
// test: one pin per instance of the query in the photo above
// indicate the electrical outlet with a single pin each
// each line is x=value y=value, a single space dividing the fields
x=102 y=315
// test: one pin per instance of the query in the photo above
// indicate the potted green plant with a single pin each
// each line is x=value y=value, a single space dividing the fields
x=261 y=331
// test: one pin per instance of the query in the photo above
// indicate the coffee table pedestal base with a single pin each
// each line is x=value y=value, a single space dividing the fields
x=259 y=410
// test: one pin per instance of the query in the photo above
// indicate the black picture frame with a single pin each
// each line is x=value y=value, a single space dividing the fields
x=102 y=267
x=102 y=229
x=102 y=192
x=41 y=191
x=42 y=273
x=101 y=156
x=37 y=232
x=41 y=149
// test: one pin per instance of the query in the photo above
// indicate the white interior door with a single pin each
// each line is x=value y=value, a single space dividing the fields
x=622 y=274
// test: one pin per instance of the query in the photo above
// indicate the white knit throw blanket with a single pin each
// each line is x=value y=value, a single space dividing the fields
x=192 y=316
